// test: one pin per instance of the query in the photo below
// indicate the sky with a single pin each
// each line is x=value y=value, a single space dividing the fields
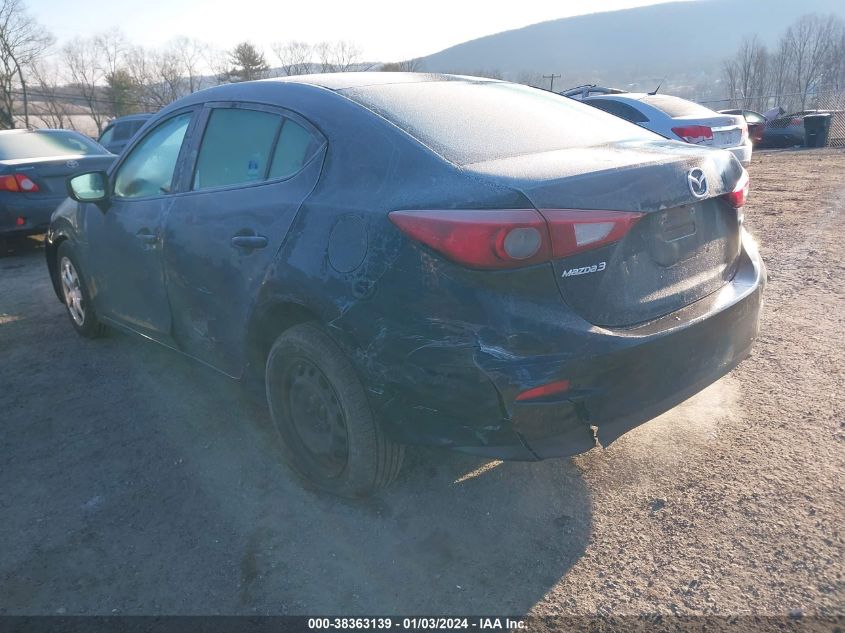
x=386 y=30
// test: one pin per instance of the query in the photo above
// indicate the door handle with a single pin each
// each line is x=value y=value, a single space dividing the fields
x=146 y=237
x=249 y=242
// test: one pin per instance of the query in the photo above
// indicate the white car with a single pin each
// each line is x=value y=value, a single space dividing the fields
x=679 y=119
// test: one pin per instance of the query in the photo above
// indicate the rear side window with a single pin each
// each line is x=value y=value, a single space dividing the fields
x=236 y=147
x=242 y=146
x=468 y=122
x=43 y=144
x=107 y=136
x=124 y=131
x=617 y=108
x=676 y=107
x=295 y=147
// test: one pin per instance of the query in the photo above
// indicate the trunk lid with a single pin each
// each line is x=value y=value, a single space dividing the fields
x=682 y=248
x=727 y=128
x=51 y=173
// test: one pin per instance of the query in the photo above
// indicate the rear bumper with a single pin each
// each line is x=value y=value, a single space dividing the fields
x=619 y=378
x=35 y=214
x=743 y=152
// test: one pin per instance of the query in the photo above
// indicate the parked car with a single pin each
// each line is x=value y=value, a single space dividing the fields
x=589 y=90
x=121 y=130
x=679 y=119
x=34 y=165
x=789 y=130
x=404 y=258
x=756 y=124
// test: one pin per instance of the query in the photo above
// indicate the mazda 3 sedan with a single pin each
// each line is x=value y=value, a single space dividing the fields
x=419 y=259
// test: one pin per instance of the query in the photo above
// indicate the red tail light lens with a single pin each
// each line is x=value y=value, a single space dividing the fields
x=577 y=231
x=480 y=239
x=694 y=133
x=544 y=391
x=509 y=238
x=739 y=195
x=796 y=121
x=18 y=183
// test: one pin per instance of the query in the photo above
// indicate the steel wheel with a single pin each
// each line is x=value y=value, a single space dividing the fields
x=328 y=433
x=72 y=291
x=316 y=416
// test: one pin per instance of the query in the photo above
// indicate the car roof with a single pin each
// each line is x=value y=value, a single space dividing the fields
x=42 y=130
x=141 y=116
x=300 y=87
x=343 y=81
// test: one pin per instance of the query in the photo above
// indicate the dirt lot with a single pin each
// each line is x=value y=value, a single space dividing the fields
x=135 y=481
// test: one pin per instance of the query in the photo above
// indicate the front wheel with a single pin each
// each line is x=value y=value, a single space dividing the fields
x=75 y=295
x=328 y=433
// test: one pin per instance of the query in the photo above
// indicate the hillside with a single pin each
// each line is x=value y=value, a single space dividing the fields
x=645 y=43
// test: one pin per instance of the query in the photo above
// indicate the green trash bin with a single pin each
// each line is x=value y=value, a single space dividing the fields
x=816 y=129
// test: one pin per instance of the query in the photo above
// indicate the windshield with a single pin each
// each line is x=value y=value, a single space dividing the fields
x=43 y=143
x=467 y=122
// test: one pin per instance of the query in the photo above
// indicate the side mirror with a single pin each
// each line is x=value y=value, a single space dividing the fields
x=90 y=187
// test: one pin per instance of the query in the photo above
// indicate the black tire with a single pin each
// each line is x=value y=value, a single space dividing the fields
x=320 y=409
x=88 y=325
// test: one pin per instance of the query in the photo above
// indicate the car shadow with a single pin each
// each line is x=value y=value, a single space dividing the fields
x=136 y=481
x=22 y=247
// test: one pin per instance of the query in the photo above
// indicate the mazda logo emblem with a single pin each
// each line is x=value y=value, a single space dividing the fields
x=697 y=183
x=72 y=164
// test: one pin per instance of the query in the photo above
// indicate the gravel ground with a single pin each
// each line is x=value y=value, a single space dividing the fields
x=134 y=481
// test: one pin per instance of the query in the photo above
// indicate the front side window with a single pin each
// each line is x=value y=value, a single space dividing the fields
x=149 y=168
x=236 y=147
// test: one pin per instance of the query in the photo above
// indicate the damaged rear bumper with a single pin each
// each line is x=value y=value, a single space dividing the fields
x=619 y=379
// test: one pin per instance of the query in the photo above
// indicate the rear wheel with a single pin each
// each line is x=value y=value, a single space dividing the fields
x=79 y=308
x=328 y=433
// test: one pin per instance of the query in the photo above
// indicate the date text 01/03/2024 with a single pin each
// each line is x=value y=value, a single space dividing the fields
x=415 y=624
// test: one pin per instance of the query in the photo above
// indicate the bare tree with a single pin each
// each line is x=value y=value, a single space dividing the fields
x=50 y=105
x=191 y=54
x=294 y=56
x=340 y=56
x=22 y=42
x=780 y=65
x=86 y=70
x=407 y=66
x=809 y=41
x=530 y=78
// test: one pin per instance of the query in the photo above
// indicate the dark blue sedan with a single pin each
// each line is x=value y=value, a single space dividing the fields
x=34 y=165
x=419 y=259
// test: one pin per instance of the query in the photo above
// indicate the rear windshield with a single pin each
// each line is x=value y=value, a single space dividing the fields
x=468 y=122
x=42 y=144
x=675 y=106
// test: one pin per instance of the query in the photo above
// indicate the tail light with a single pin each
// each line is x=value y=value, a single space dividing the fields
x=796 y=121
x=18 y=183
x=510 y=238
x=577 y=231
x=694 y=133
x=743 y=127
x=739 y=195
x=544 y=391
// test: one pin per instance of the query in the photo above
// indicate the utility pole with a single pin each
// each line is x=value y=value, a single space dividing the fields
x=552 y=82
